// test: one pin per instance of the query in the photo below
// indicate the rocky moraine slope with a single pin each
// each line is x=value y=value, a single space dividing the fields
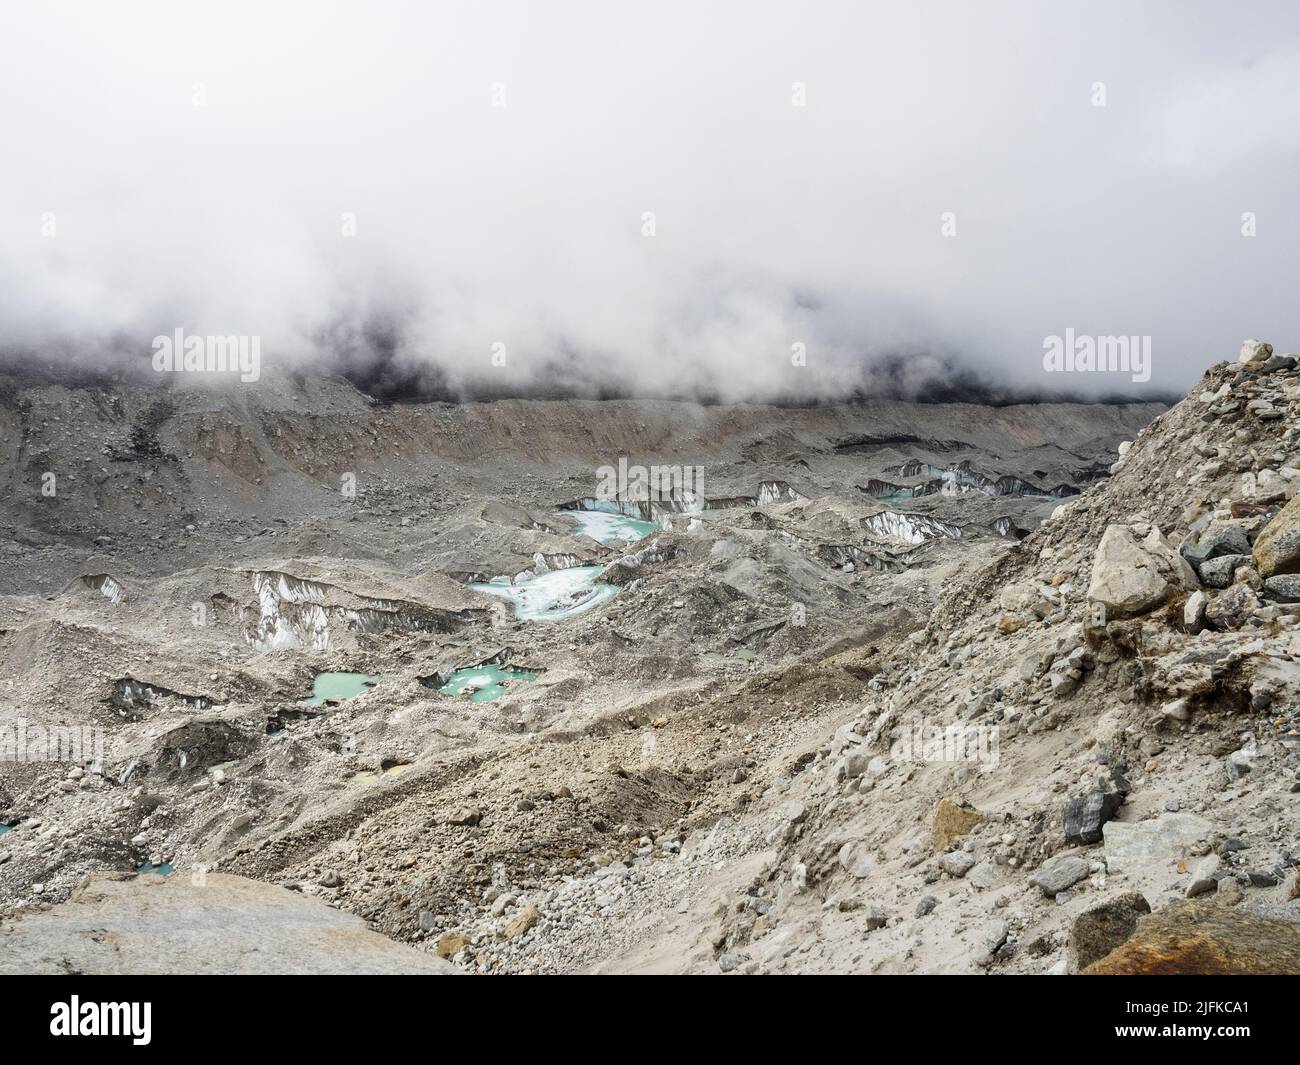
x=918 y=689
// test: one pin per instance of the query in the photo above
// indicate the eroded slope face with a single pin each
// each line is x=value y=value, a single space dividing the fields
x=211 y=564
x=1097 y=725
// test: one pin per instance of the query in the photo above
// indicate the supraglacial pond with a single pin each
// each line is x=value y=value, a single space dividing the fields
x=484 y=682
x=339 y=686
x=610 y=528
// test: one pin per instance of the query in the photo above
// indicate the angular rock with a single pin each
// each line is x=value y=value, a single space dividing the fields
x=450 y=944
x=1205 y=938
x=1194 y=611
x=957 y=863
x=1086 y=814
x=794 y=812
x=1134 y=573
x=983 y=876
x=1099 y=930
x=1238 y=764
x=1231 y=608
x=1254 y=351
x=1031 y=666
x=991 y=939
x=1277 y=547
x=1223 y=538
x=522 y=922
x=1203 y=876
x=1194 y=555
x=1217 y=572
x=952 y=822
x=1063 y=684
x=1057 y=874
x=1283 y=588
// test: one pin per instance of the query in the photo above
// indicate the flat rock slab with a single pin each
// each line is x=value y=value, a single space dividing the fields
x=1150 y=846
x=1194 y=937
x=120 y=923
x=1057 y=874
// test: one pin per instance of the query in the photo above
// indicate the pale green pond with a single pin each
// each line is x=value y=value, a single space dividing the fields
x=339 y=686
x=744 y=654
x=483 y=681
x=162 y=870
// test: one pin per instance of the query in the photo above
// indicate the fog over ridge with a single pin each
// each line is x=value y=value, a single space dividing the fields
x=774 y=225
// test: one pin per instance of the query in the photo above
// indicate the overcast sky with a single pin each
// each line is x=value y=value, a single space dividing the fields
x=189 y=165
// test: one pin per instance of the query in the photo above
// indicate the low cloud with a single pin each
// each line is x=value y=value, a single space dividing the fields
x=650 y=212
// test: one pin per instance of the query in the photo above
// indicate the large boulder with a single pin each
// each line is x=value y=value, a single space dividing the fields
x=1218 y=572
x=1152 y=845
x=1135 y=571
x=1277 y=547
x=1283 y=588
x=1057 y=874
x=120 y=923
x=1102 y=928
x=1219 y=539
x=1224 y=538
x=1204 y=938
x=1255 y=351
x=957 y=863
x=1085 y=815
